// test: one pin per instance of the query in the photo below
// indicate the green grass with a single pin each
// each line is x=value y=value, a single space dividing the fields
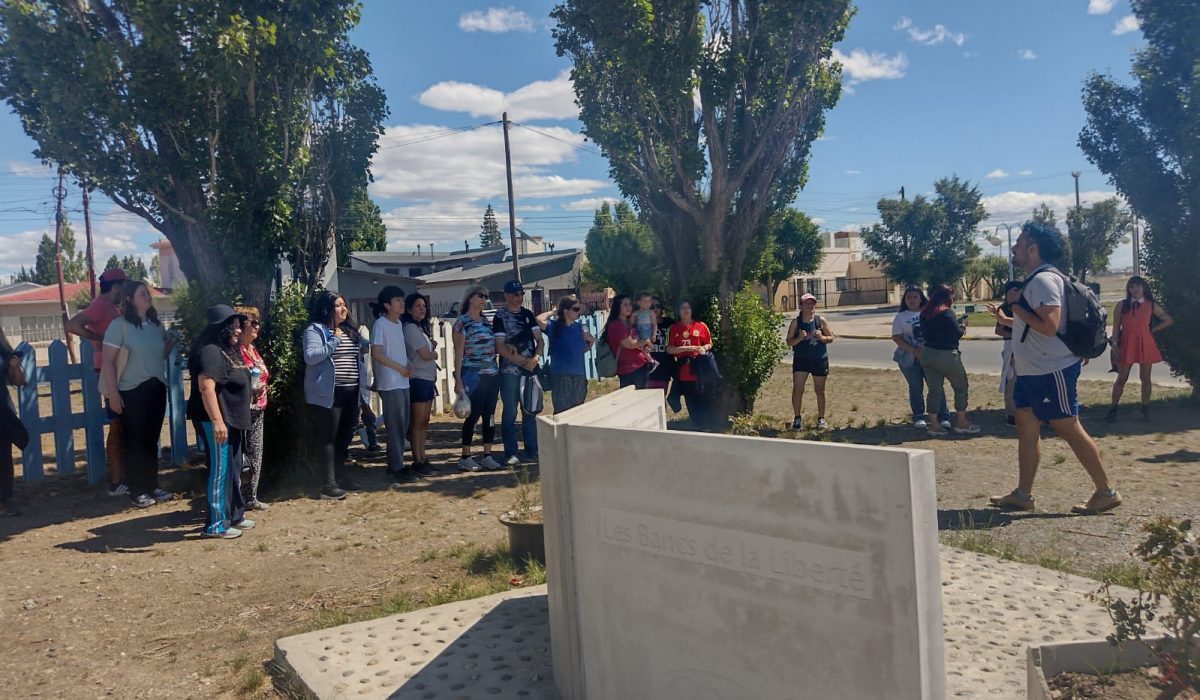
x=1127 y=574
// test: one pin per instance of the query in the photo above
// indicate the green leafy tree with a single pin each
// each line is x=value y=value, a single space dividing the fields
x=360 y=228
x=1094 y=233
x=135 y=268
x=1043 y=214
x=1143 y=134
x=995 y=273
x=706 y=112
x=219 y=122
x=22 y=276
x=45 y=266
x=789 y=243
x=113 y=263
x=621 y=251
x=489 y=231
x=155 y=277
x=928 y=240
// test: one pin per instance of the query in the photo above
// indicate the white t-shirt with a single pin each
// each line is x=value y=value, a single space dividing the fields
x=389 y=336
x=1041 y=354
x=908 y=324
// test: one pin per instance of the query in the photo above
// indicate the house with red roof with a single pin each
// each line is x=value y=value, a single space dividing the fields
x=34 y=315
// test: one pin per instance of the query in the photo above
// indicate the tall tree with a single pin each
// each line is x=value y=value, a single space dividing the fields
x=45 y=266
x=113 y=263
x=788 y=243
x=1094 y=233
x=1145 y=135
x=135 y=268
x=203 y=117
x=995 y=273
x=1043 y=214
x=22 y=276
x=360 y=227
x=155 y=277
x=489 y=231
x=621 y=251
x=928 y=240
x=706 y=112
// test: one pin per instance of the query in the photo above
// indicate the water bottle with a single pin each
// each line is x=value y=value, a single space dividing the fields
x=255 y=380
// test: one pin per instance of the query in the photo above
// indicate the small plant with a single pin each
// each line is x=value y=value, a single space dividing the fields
x=1060 y=459
x=527 y=505
x=1170 y=593
x=755 y=425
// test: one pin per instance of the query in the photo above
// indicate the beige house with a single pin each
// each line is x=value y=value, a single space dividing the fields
x=844 y=277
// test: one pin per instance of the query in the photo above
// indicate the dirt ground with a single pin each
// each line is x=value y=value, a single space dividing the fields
x=100 y=600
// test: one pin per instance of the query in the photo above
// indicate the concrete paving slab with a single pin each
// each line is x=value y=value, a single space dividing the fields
x=499 y=646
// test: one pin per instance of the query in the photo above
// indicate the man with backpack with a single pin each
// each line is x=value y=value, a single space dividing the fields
x=1056 y=323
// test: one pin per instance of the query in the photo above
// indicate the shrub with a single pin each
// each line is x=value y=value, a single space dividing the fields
x=279 y=344
x=1172 y=577
x=749 y=355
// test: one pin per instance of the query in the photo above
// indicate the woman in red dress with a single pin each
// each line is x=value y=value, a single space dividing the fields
x=1133 y=337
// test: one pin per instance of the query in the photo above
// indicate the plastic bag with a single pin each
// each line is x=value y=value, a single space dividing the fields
x=462 y=406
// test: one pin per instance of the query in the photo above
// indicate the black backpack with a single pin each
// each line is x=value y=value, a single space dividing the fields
x=1085 y=332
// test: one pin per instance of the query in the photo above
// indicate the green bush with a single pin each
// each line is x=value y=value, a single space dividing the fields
x=279 y=344
x=748 y=357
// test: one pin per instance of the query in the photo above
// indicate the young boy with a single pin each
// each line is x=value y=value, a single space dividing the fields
x=646 y=325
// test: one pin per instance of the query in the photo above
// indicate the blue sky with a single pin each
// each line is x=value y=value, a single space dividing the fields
x=988 y=91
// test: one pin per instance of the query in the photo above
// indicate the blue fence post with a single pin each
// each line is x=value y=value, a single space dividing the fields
x=27 y=399
x=93 y=417
x=177 y=409
x=60 y=408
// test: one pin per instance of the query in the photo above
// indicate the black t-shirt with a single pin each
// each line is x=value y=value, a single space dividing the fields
x=233 y=388
x=517 y=328
x=942 y=331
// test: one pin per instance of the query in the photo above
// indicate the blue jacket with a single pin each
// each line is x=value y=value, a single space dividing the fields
x=319 y=344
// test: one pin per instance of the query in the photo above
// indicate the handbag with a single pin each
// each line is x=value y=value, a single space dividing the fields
x=532 y=395
x=606 y=361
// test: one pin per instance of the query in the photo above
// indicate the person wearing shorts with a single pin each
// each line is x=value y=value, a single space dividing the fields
x=809 y=337
x=1047 y=372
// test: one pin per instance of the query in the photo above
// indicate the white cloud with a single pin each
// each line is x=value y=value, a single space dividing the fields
x=444 y=184
x=862 y=65
x=930 y=37
x=541 y=99
x=589 y=204
x=853 y=172
x=817 y=220
x=1125 y=25
x=113 y=233
x=1026 y=55
x=1100 y=7
x=996 y=174
x=24 y=168
x=496 y=20
x=1025 y=173
x=1013 y=206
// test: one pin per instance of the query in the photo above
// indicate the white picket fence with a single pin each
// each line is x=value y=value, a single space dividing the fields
x=443 y=335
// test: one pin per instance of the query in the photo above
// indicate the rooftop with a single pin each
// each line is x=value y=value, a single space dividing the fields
x=380 y=257
x=50 y=293
x=482 y=271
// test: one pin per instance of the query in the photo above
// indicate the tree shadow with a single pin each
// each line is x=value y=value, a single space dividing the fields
x=1180 y=455
x=987 y=518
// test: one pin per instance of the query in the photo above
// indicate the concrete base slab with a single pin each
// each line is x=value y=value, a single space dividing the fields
x=499 y=646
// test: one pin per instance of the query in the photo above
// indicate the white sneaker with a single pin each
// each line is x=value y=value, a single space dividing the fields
x=491 y=464
x=162 y=496
x=920 y=424
x=946 y=425
x=244 y=524
x=468 y=464
x=512 y=461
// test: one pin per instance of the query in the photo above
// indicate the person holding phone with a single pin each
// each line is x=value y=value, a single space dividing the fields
x=941 y=360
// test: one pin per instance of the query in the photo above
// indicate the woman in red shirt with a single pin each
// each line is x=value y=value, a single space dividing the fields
x=621 y=336
x=688 y=339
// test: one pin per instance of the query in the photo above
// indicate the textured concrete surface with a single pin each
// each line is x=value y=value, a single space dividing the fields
x=498 y=647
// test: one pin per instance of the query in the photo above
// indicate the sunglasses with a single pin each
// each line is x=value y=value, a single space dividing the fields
x=576 y=309
x=252 y=323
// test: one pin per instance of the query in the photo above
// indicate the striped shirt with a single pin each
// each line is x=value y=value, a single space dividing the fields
x=345 y=363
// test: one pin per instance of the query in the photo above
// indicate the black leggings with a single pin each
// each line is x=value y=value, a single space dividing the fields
x=142 y=418
x=6 y=471
x=636 y=379
x=483 y=405
x=330 y=432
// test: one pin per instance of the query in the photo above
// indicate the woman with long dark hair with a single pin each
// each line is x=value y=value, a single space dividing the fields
x=220 y=403
x=630 y=350
x=11 y=374
x=333 y=375
x=477 y=377
x=569 y=342
x=1136 y=319
x=906 y=333
x=941 y=360
x=134 y=368
x=422 y=358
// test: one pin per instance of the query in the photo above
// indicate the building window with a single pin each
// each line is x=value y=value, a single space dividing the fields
x=843 y=284
x=814 y=287
x=416 y=271
x=391 y=270
x=40 y=329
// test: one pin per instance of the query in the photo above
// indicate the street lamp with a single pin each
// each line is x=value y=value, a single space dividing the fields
x=995 y=240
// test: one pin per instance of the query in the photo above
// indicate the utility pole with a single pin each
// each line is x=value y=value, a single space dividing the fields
x=902 y=193
x=512 y=216
x=1075 y=174
x=60 y=192
x=87 y=227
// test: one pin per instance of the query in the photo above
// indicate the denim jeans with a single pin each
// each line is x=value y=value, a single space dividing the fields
x=510 y=394
x=915 y=376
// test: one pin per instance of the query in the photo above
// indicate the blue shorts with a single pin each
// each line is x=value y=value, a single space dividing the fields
x=421 y=390
x=1051 y=396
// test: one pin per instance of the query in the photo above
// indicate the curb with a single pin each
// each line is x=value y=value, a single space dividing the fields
x=849 y=336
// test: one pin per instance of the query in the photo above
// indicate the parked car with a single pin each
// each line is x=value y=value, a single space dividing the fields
x=489 y=310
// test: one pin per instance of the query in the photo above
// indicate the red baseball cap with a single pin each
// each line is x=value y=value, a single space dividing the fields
x=807 y=297
x=113 y=274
